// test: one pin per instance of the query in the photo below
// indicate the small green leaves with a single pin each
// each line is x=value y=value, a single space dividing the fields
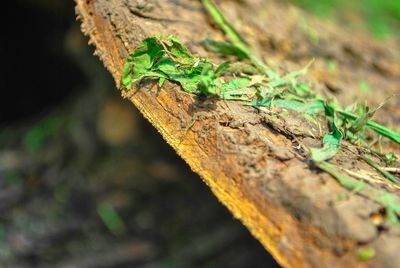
x=164 y=58
x=391 y=158
x=140 y=63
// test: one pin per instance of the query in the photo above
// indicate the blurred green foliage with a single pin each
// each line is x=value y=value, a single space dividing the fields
x=1 y=233
x=13 y=178
x=382 y=17
x=111 y=219
x=365 y=254
x=35 y=137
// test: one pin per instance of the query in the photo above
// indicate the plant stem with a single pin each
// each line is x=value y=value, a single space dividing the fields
x=235 y=38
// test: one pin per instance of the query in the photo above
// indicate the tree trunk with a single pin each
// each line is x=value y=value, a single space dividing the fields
x=251 y=160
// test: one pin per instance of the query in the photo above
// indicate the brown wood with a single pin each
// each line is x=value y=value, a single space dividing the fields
x=249 y=159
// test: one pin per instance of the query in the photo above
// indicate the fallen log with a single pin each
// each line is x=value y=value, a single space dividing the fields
x=254 y=159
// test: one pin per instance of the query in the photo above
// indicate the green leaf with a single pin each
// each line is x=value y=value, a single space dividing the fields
x=236 y=89
x=224 y=48
x=289 y=104
x=223 y=68
x=177 y=51
x=207 y=78
x=331 y=144
x=161 y=81
x=384 y=131
x=139 y=63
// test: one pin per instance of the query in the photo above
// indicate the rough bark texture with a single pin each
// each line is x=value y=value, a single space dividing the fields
x=250 y=159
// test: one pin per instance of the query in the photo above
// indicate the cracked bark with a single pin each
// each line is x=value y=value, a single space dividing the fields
x=250 y=160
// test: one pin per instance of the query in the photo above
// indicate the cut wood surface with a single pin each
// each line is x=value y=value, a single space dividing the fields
x=251 y=158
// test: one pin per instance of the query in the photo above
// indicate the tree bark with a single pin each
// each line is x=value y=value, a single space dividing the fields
x=249 y=159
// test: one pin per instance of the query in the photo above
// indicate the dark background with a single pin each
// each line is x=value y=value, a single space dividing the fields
x=84 y=180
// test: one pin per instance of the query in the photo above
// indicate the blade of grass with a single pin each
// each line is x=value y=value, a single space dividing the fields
x=384 y=131
x=347 y=182
x=235 y=37
x=225 y=26
x=381 y=170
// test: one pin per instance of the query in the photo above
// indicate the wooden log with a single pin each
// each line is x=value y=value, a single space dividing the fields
x=252 y=162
